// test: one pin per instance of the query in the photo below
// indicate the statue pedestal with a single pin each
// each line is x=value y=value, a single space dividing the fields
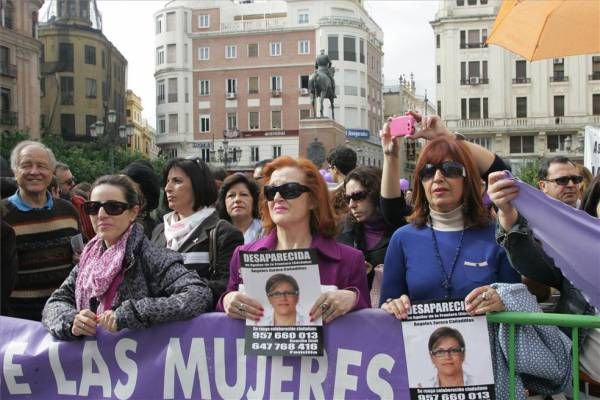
x=328 y=134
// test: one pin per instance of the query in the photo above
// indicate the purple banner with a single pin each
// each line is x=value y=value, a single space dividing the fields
x=203 y=358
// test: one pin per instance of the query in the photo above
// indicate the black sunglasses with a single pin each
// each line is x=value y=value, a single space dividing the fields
x=356 y=196
x=111 y=207
x=450 y=169
x=564 y=180
x=288 y=191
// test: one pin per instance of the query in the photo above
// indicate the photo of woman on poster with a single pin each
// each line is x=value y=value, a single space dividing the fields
x=283 y=293
x=447 y=352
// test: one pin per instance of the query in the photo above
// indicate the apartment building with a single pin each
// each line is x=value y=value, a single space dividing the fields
x=519 y=109
x=234 y=75
x=19 y=66
x=83 y=74
x=142 y=139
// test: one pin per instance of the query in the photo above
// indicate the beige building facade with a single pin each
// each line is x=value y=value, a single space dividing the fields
x=235 y=75
x=142 y=139
x=19 y=67
x=83 y=74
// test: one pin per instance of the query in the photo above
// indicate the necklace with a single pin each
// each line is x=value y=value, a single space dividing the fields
x=447 y=281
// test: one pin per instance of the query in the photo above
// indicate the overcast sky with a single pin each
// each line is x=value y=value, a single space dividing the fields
x=408 y=41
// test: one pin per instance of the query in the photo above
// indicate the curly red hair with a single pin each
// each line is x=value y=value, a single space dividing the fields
x=436 y=152
x=321 y=216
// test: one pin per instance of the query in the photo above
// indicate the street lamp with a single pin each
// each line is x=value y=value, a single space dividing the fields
x=226 y=154
x=115 y=135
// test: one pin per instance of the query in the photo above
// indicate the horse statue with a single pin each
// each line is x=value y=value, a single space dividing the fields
x=321 y=83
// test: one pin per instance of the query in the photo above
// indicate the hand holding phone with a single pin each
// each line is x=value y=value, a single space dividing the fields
x=403 y=126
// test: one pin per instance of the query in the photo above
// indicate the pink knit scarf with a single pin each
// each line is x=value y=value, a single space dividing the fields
x=98 y=268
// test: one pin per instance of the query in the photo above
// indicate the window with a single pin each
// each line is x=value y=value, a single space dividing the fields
x=205 y=154
x=160 y=92
x=186 y=89
x=253 y=120
x=67 y=124
x=170 y=22
x=303 y=46
x=276 y=151
x=185 y=22
x=439 y=73
x=172 y=90
x=474 y=108
x=482 y=141
x=185 y=53
x=231 y=120
x=596 y=104
x=254 y=154
x=66 y=90
x=204 y=123
x=439 y=108
x=204 y=87
x=471 y=39
x=203 y=53
x=437 y=41
x=276 y=119
x=521 y=107
x=89 y=120
x=460 y=3
x=349 y=48
x=595 y=68
x=203 y=21
x=161 y=123
x=103 y=59
x=332 y=47
x=477 y=108
x=361 y=48
x=42 y=86
x=90 y=88
x=253 y=84
x=305 y=113
x=231 y=51
x=231 y=86
x=304 y=82
x=559 y=106
x=558 y=70
x=160 y=55
x=556 y=142
x=520 y=71
x=252 y=50
x=158 y=24
x=173 y=124
x=521 y=144
x=65 y=57
x=171 y=53
x=303 y=16
x=275 y=48
x=90 y=55
x=276 y=82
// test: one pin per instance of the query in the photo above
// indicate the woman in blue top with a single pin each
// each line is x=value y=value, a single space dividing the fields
x=448 y=250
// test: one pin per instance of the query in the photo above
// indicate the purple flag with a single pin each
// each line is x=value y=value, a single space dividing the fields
x=203 y=358
x=570 y=236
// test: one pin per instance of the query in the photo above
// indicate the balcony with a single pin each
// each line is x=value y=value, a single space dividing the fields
x=172 y=97
x=559 y=78
x=230 y=96
x=275 y=93
x=8 y=118
x=549 y=123
x=9 y=70
x=167 y=138
x=343 y=20
x=261 y=25
x=473 y=45
x=595 y=76
x=520 y=80
x=474 y=81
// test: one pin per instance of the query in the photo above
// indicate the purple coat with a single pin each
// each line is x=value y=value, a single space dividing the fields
x=339 y=265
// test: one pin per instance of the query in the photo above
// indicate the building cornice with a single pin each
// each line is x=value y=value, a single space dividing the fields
x=248 y=67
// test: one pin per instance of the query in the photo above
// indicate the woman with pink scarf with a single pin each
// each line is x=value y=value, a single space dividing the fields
x=122 y=280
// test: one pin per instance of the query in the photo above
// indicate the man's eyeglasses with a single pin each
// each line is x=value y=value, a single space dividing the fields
x=453 y=351
x=111 y=207
x=288 y=191
x=450 y=169
x=356 y=196
x=279 y=295
x=564 y=180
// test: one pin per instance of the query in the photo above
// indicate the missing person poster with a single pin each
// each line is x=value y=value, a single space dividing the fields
x=447 y=352
x=287 y=284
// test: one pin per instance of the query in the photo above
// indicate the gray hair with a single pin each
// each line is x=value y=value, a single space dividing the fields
x=61 y=166
x=15 y=155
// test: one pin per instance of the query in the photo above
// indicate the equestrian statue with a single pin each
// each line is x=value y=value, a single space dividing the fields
x=321 y=83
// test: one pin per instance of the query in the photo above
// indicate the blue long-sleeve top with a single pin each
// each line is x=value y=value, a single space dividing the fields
x=411 y=266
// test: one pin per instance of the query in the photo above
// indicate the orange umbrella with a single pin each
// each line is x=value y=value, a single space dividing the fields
x=539 y=29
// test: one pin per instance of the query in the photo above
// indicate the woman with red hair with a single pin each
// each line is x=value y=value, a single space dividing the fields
x=296 y=214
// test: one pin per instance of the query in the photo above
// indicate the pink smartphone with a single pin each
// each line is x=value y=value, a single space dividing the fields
x=403 y=126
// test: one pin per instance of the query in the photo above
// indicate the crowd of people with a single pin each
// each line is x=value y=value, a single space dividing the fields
x=131 y=250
